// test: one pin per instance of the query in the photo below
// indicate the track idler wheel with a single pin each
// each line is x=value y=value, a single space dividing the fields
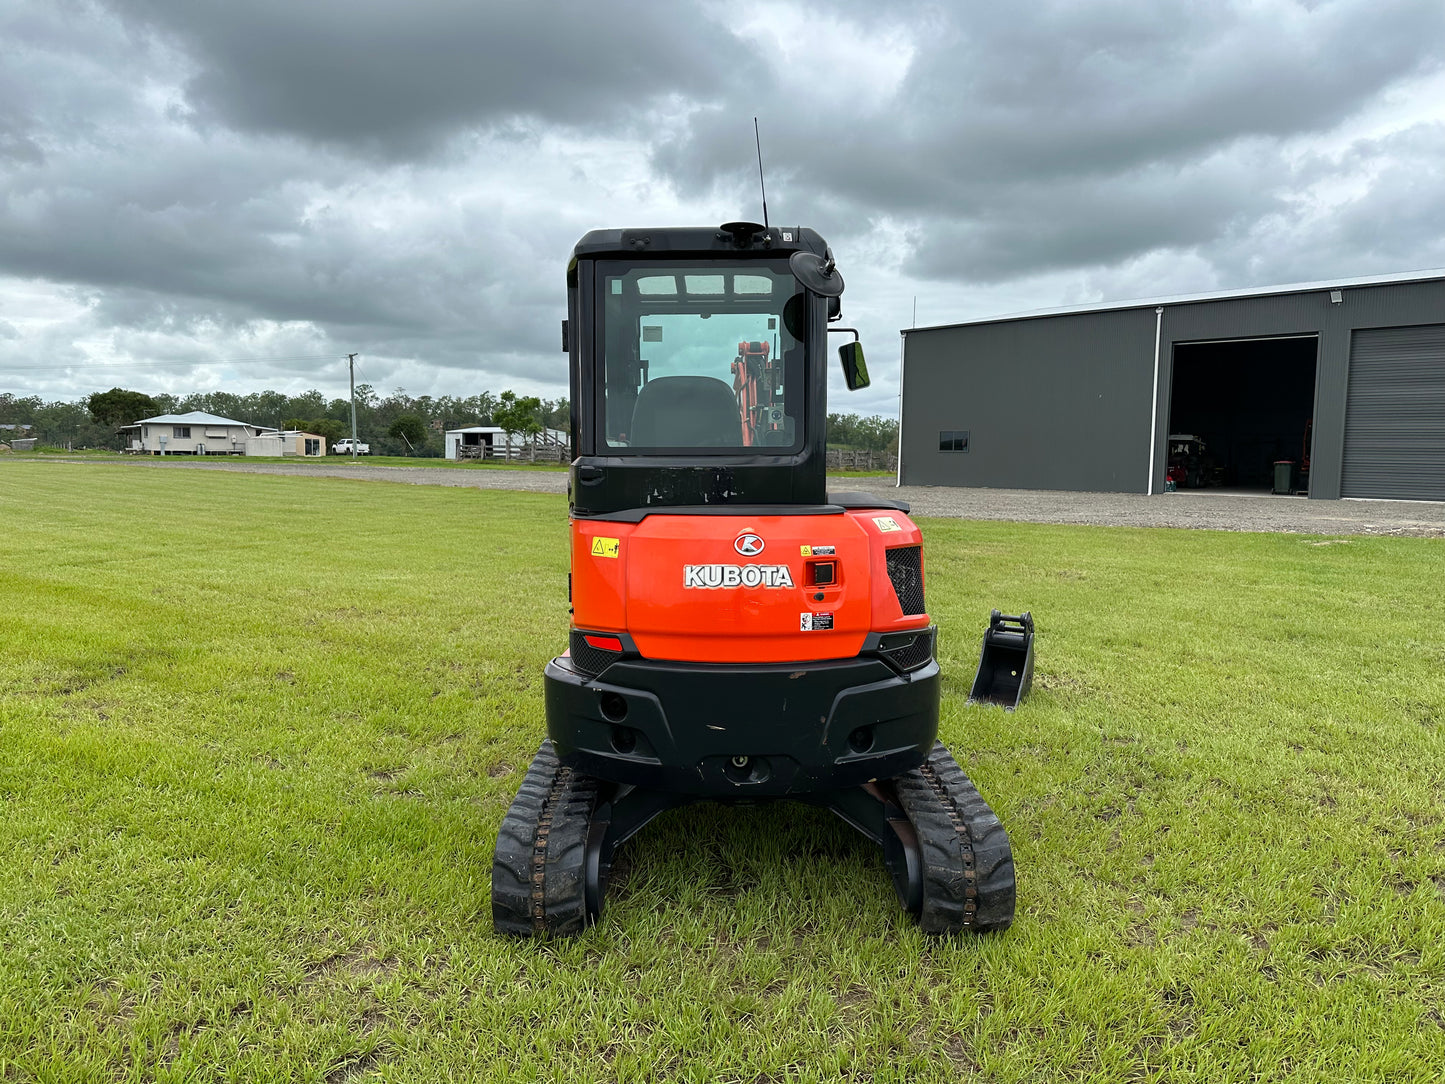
x=543 y=882
x=964 y=861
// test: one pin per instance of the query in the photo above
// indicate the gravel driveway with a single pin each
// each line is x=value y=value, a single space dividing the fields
x=1204 y=509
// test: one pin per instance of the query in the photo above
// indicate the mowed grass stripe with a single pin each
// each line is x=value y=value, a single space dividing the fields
x=256 y=735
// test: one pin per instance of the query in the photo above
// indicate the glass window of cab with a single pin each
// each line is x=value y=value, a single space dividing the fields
x=701 y=359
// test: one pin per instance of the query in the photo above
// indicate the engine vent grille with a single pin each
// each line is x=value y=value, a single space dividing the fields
x=589 y=659
x=908 y=651
x=905 y=569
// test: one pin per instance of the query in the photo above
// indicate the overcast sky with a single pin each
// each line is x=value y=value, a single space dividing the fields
x=188 y=186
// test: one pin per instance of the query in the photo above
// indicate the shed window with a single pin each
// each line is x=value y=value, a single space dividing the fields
x=181 y=432
x=953 y=440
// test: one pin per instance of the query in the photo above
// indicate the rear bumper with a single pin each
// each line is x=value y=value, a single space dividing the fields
x=686 y=727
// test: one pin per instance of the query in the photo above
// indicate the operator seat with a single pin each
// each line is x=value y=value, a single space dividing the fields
x=686 y=412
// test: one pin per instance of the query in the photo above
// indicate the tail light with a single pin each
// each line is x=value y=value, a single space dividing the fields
x=593 y=652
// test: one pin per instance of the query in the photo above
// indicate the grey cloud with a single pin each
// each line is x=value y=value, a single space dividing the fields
x=1075 y=135
x=217 y=179
x=398 y=79
x=1390 y=224
x=1033 y=227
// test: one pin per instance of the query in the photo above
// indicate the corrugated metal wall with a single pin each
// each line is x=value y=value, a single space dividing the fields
x=1395 y=414
x=1057 y=403
x=1062 y=402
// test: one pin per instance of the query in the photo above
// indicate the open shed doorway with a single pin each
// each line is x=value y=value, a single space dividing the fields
x=1239 y=407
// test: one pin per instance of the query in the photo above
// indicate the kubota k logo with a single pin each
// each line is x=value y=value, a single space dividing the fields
x=749 y=545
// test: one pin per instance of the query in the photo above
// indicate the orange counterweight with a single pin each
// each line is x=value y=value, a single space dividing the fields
x=733 y=589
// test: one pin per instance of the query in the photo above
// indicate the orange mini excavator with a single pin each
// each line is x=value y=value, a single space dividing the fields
x=738 y=633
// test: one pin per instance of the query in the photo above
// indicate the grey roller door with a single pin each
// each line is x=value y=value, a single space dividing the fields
x=1395 y=414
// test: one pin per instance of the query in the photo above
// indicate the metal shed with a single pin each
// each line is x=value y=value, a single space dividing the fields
x=1342 y=381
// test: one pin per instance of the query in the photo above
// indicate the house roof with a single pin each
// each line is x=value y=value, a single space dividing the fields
x=194 y=417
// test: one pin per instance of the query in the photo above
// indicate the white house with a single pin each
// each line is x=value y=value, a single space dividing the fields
x=491 y=440
x=192 y=433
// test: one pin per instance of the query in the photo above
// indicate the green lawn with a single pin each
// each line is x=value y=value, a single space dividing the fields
x=450 y=464
x=395 y=461
x=329 y=460
x=257 y=732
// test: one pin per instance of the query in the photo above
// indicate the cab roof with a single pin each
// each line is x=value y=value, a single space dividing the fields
x=733 y=238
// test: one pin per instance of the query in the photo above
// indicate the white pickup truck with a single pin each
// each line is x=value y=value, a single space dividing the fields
x=343 y=447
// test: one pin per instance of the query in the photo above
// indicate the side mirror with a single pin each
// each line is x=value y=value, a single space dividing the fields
x=855 y=371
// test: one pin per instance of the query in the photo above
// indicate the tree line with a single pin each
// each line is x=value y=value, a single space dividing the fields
x=396 y=424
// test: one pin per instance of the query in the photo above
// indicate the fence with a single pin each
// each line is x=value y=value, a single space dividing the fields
x=560 y=453
x=838 y=459
x=522 y=453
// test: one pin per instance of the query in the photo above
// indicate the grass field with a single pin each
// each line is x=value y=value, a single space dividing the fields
x=250 y=777
x=327 y=460
x=396 y=461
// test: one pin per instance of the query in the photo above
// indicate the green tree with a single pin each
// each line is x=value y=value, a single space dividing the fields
x=849 y=431
x=62 y=424
x=329 y=428
x=558 y=414
x=410 y=428
x=518 y=414
x=120 y=407
x=878 y=434
x=309 y=404
x=16 y=411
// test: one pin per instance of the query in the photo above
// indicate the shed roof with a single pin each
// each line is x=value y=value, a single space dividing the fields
x=499 y=430
x=1428 y=275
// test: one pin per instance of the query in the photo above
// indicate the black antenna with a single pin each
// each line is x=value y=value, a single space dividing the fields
x=759 y=140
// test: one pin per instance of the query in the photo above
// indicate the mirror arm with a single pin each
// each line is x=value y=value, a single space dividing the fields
x=850 y=330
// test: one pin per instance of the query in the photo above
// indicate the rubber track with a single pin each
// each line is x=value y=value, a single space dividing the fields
x=968 y=870
x=538 y=878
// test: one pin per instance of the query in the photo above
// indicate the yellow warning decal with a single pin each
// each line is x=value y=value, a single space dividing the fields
x=886 y=523
x=807 y=550
x=606 y=547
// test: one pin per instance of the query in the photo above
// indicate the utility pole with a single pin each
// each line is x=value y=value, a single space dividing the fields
x=351 y=361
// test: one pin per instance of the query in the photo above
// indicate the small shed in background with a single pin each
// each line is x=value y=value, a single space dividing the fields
x=296 y=442
x=490 y=441
x=17 y=438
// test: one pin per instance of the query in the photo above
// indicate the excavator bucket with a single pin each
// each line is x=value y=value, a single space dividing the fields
x=1006 y=665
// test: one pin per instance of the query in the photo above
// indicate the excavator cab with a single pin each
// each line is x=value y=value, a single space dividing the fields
x=738 y=633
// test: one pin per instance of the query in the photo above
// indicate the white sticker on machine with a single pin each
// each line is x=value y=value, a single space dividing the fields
x=811 y=622
x=886 y=523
